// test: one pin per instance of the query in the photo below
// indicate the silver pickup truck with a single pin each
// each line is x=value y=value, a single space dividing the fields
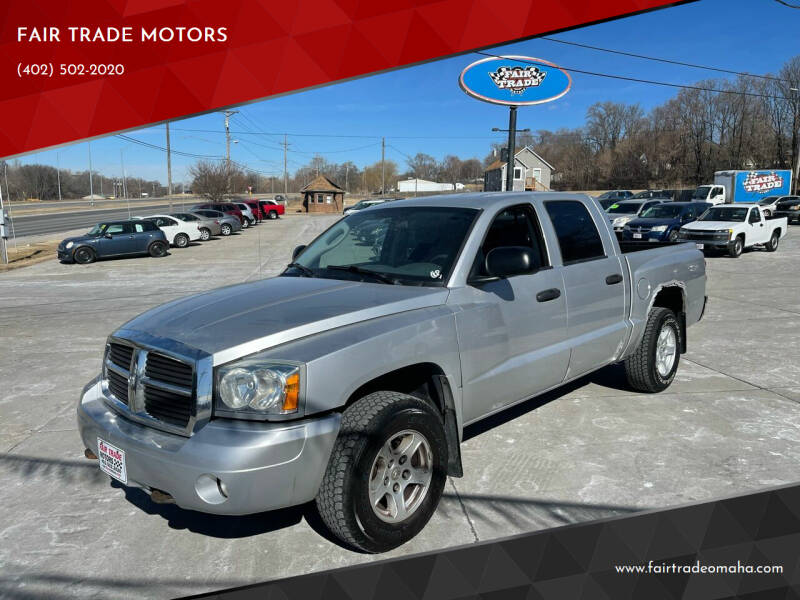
x=355 y=371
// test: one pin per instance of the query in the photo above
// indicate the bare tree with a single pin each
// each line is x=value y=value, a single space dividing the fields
x=212 y=179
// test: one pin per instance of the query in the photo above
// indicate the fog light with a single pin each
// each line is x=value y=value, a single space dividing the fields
x=211 y=489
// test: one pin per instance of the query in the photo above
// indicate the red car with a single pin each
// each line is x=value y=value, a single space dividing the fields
x=225 y=207
x=255 y=206
x=271 y=209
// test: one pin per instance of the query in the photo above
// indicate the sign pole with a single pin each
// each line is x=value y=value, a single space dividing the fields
x=512 y=139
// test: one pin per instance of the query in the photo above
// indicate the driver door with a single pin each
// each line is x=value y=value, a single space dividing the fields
x=512 y=331
x=121 y=240
x=757 y=231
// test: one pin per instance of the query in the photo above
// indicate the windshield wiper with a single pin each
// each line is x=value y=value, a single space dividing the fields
x=362 y=271
x=302 y=268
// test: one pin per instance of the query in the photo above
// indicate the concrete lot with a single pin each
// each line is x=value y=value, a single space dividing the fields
x=730 y=423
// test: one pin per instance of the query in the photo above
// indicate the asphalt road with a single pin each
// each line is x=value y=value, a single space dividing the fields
x=65 y=221
x=730 y=423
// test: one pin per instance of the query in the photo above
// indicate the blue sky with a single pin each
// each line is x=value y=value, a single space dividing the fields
x=422 y=109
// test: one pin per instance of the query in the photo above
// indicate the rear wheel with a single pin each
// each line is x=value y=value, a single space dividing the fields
x=652 y=367
x=181 y=240
x=273 y=214
x=386 y=472
x=225 y=229
x=84 y=255
x=157 y=249
x=205 y=234
x=245 y=223
x=772 y=245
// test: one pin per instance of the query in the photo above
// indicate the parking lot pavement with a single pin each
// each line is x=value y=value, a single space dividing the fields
x=730 y=423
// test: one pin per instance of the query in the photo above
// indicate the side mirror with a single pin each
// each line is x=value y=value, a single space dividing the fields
x=107 y=236
x=296 y=252
x=507 y=261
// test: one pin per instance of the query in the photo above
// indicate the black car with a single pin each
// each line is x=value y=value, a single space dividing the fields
x=789 y=207
x=114 y=238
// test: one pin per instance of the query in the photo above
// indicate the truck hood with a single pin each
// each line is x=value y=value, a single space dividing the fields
x=708 y=225
x=234 y=321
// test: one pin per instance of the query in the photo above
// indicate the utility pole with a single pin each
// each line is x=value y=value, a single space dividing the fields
x=346 y=172
x=383 y=165
x=169 y=170
x=8 y=195
x=228 y=114
x=3 y=235
x=285 y=172
x=91 y=185
x=58 y=174
x=124 y=184
x=512 y=139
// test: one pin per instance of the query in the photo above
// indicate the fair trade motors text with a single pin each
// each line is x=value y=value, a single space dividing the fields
x=122 y=34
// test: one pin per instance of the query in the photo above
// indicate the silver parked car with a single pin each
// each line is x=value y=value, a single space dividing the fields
x=208 y=226
x=228 y=224
x=351 y=377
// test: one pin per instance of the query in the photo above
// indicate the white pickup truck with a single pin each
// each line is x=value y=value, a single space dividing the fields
x=734 y=227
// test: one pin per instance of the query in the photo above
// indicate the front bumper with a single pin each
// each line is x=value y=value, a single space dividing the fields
x=646 y=236
x=65 y=255
x=264 y=466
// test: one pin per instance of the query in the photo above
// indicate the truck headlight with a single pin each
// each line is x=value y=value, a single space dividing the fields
x=251 y=389
x=659 y=228
x=724 y=232
x=69 y=245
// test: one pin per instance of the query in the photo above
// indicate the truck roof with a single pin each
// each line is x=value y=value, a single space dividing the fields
x=479 y=199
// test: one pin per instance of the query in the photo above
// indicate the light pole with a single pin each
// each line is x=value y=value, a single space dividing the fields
x=512 y=140
x=796 y=168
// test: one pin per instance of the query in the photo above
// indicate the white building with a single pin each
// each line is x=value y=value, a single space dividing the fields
x=423 y=185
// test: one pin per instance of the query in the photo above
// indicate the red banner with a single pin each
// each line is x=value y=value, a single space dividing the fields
x=74 y=70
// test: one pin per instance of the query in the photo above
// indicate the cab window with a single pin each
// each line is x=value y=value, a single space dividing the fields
x=115 y=229
x=755 y=216
x=578 y=237
x=514 y=226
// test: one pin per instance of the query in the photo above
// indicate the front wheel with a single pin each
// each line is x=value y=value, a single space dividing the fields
x=84 y=255
x=735 y=247
x=157 y=249
x=652 y=367
x=245 y=223
x=772 y=245
x=386 y=472
x=673 y=235
x=226 y=229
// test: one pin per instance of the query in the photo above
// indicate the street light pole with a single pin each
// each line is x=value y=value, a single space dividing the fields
x=512 y=140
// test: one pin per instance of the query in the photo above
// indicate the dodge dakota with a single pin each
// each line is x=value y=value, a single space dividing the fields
x=356 y=370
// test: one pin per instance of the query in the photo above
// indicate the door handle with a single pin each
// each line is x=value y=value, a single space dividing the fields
x=613 y=279
x=547 y=295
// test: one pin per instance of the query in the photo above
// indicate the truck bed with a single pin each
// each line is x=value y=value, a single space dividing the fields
x=629 y=246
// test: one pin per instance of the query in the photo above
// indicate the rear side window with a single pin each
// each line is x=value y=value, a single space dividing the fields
x=577 y=234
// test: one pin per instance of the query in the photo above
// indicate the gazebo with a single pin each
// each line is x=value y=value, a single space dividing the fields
x=323 y=196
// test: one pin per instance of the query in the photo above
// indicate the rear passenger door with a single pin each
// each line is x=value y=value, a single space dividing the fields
x=594 y=284
x=511 y=331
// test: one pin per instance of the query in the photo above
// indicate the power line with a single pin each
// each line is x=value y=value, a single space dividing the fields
x=665 y=60
x=638 y=80
x=787 y=4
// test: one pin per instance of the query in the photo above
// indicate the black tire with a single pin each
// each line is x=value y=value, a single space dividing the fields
x=84 y=255
x=157 y=249
x=673 y=235
x=343 y=500
x=736 y=247
x=181 y=240
x=772 y=245
x=641 y=368
x=245 y=223
x=205 y=234
x=226 y=229
x=273 y=214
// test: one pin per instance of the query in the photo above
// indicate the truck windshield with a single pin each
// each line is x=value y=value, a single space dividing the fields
x=701 y=193
x=662 y=211
x=725 y=213
x=626 y=208
x=415 y=245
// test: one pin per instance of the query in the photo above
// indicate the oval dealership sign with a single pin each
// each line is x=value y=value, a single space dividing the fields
x=514 y=80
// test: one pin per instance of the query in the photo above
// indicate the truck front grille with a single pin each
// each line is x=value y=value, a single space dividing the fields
x=155 y=388
x=168 y=393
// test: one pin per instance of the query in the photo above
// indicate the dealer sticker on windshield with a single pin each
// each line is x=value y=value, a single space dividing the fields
x=112 y=460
